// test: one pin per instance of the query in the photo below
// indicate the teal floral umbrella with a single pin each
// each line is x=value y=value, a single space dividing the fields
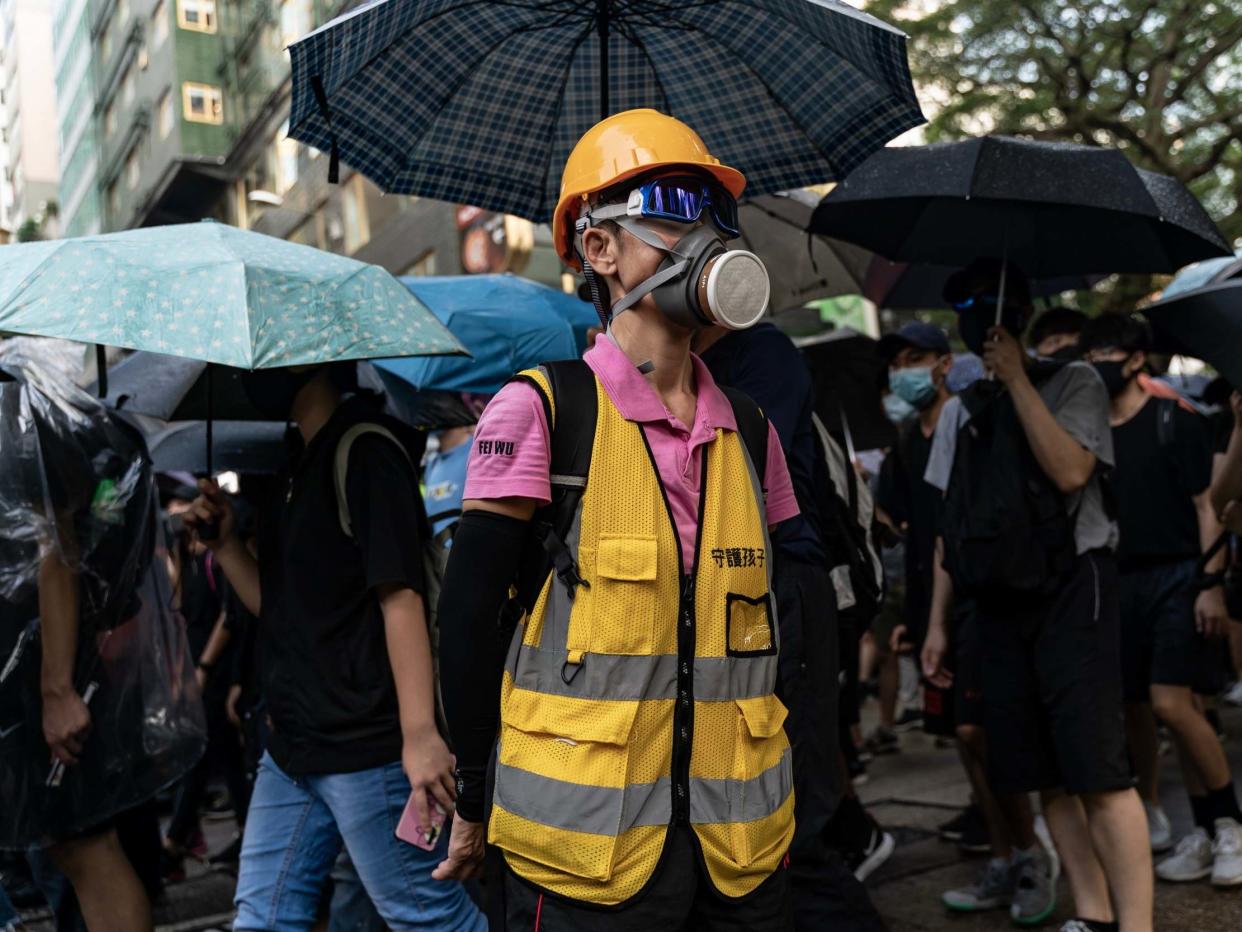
x=215 y=293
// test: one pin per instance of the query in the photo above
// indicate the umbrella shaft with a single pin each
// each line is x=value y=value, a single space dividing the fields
x=601 y=21
x=210 y=404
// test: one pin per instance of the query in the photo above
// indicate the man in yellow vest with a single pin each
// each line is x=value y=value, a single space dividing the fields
x=642 y=776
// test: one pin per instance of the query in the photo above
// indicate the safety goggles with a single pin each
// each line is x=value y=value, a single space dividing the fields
x=679 y=199
x=975 y=300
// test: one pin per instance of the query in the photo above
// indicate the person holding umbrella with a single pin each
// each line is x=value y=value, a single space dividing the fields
x=346 y=661
x=1027 y=535
x=642 y=779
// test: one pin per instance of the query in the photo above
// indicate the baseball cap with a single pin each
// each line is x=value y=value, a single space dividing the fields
x=918 y=334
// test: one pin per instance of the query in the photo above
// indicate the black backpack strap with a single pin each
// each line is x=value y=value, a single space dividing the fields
x=752 y=425
x=572 y=413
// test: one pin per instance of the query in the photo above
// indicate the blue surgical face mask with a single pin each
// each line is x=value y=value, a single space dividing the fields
x=913 y=386
x=897 y=409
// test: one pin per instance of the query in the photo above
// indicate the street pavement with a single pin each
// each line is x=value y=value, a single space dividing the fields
x=911 y=793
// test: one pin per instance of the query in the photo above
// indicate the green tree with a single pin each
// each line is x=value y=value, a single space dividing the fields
x=1159 y=79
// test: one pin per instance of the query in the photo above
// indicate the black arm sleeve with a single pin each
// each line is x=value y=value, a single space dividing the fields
x=487 y=550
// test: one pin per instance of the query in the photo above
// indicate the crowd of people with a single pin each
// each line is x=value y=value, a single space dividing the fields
x=597 y=660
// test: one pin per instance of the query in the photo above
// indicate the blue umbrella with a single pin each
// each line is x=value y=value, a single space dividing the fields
x=481 y=102
x=507 y=323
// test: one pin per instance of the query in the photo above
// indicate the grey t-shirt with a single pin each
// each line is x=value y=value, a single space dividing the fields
x=1078 y=400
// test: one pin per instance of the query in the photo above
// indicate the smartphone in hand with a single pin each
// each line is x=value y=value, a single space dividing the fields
x=409 y=832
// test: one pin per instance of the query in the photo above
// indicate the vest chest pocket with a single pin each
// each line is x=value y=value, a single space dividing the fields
x=622 y=599
x=749 y=631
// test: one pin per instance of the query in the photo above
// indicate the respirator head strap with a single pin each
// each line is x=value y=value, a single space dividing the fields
x=672 y=272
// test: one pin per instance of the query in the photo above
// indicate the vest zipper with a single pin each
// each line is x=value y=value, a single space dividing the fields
x=683 y=709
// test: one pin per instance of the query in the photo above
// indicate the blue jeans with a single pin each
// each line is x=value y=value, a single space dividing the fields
x=295 y=830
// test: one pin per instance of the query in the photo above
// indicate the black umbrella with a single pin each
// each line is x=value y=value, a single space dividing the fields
x=173 y=388
x=848 y=372
x=1205 y=323
x=253 y=447
x=913 y=286
x=1054 y=208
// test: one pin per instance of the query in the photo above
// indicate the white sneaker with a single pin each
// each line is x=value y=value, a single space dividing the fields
x=1234 y=695
x=1158 y=828
x=1192 y=860
x=1227 y=849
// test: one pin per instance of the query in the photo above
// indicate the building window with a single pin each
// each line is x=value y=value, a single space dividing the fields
x=296 y=20
x=159 y=24
x=109 y=120
x=286 y=160
x=144 y=58
x=133 y=170
x=122 y=13
x=127 y=86
x=164 y=114
x=114 y=199
x=354 y=215
x=197 y=15
x=423 y=265
x=202 y=103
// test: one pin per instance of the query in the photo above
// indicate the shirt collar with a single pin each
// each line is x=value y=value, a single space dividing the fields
x=637 y=401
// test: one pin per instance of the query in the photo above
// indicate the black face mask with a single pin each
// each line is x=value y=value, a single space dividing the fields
x=1114 y=376
x=973 y=325
x=272 y=391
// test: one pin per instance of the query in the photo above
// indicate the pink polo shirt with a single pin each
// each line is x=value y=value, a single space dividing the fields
x=515 y=418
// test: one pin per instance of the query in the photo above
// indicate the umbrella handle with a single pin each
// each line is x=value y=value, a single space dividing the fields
x=209 y=530
x=1000 y=297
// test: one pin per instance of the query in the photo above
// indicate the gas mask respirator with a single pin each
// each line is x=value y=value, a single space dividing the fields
x=701 y=282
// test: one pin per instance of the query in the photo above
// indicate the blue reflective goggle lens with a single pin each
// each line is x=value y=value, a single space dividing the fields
x=973 y=300
x=683 y=200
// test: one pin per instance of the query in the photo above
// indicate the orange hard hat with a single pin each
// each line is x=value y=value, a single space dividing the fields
x=623 y=146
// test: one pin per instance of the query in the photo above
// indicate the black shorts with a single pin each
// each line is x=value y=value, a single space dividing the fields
x=968 y=667
x=962 y=702
x=678 y=897
x=1052 y=686
x=1159 y=643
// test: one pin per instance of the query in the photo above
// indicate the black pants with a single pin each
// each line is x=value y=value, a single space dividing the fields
x=826 y=894
x=223 y=755
x=679 y=898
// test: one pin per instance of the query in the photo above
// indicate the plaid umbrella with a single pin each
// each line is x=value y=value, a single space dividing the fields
x=481 y=102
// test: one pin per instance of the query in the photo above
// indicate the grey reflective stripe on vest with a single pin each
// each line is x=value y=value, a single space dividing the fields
x=714 y=801
x=576 y=807
x=629 y=677
x=604 y=810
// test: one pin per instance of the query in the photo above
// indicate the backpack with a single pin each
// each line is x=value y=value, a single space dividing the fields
x=435 y=553
x=1007 y=530
x=571 y=415
x=847 y=512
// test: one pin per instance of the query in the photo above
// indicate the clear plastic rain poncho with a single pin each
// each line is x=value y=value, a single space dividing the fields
x=76 y=485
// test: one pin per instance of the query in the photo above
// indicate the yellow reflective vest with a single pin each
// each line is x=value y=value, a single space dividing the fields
x=644 y=698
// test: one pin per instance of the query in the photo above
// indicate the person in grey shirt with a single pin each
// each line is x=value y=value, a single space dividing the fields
x=1052 y=694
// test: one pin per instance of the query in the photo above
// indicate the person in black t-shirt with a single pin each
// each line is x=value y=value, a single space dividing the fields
x=764 y=363
x=1163 y=473
x=346 y=666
